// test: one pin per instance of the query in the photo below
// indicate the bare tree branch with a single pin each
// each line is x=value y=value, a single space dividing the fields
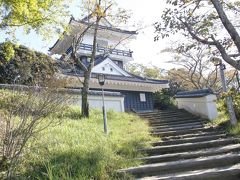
x=226 y=23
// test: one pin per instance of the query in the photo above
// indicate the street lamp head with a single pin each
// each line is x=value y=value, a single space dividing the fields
x=15 y=79
x=101 y=79
x=216 y=61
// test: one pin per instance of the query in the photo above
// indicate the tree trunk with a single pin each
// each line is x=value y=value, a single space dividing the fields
x=85 y=91
x=87 y=74
x=227 y=24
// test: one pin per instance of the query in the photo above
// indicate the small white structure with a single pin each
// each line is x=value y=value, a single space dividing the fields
x=113 y=100
x=199 y=102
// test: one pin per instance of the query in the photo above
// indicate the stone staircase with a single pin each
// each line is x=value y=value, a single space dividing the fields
x=187 y=150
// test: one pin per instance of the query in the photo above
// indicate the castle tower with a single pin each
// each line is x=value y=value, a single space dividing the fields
x=125 y=91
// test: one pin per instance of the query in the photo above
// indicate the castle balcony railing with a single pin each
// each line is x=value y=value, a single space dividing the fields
x=100 y=49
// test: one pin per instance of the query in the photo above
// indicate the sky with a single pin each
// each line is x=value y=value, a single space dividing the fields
x=145 y=50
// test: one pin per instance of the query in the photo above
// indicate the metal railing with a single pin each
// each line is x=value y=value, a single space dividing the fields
x=100 y=49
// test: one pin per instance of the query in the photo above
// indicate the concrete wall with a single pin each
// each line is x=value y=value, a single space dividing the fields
x=111 y=102
x=204 y=106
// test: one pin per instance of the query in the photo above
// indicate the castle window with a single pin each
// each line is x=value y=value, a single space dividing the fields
x=142 y=97
x=103 y=68
x=111 y=69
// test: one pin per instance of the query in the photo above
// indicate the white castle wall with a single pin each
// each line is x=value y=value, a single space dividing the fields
x=204 y=106
x=111 y=102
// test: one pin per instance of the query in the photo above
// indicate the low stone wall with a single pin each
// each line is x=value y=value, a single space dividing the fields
x=113 y=100
x=200 y=102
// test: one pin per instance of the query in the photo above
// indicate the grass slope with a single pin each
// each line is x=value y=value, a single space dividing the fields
x=78 y=148
x=223 y=120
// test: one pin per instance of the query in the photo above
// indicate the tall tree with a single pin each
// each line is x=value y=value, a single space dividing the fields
x=97 y=12
x=150 y=71
x=213 y=23
x=197 y=70
x=183 y=80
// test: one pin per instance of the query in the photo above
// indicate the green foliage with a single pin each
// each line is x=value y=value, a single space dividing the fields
x=9 y=100
x=44 y=17
x=78 y=148
x=224 y=122
x=202 y=21
x=33 y=67
x=179 y=15
x=145 y=71
x=236 y=102
x=180 y=79
x=164 y=99
x=22 y=117
x=7 y=51
x=234 y=130
x=223 y=119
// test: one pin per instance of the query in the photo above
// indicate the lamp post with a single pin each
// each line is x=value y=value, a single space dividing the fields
x=14 y=81
x=17 y=77
x=101 y=81
x=218 y=62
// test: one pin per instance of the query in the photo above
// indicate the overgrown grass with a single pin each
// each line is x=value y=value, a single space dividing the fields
x=223 y=120
x=78 y=148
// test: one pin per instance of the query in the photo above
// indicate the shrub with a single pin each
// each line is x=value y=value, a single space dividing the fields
x=163 y=99
x=33 y=67
x=76 y=148
x=22 y=117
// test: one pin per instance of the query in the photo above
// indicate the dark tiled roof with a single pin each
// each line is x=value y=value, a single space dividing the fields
x=100 y=27
x=120 y=78
x=61 y=90
x=87 y=18
x=195 y=93
x=63 y=34
x=95 y=93
x=130 y=78
x=99 y=59
x=108 y=28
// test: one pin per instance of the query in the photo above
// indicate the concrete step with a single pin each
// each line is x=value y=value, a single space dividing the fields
x=162 y=112
x=190 y=139
x=156 y=119
x=231 y=172
x=176 y=128
x=169 y=116
x=189 y=146
x=191 y=154
x=174 y=122
x=182 y=132
x=178 y=125
x=155 y=124
x=183 y=165
x=187 y=149
x=191 y=135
